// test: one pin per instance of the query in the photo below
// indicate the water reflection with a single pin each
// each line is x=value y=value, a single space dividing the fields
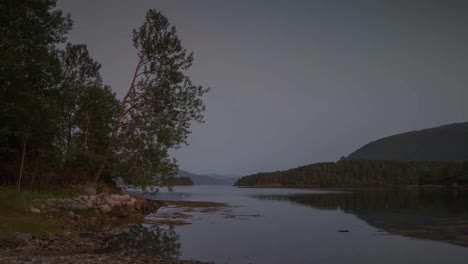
x=430 y=214
x=148 y=240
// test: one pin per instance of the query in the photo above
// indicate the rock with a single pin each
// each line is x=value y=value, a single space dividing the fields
x=92 y=199
x=53 y=237
x=85 y=201
x=71 y=214
x=111 y=202
x=34 y=210
x=120 y=212
x=17 y=240
x=104 y=209
x=72 y=205
x=120 y=197
x=87 y=235
x=139 y=204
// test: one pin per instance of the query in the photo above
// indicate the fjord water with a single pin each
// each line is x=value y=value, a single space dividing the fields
x=324 y=226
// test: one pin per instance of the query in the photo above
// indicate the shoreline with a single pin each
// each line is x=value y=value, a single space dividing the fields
x=90 y=235
x=407 y=187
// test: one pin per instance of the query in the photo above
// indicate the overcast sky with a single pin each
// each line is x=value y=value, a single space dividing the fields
x=296 y=82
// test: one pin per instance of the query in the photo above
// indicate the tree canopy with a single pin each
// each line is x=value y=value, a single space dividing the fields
x=156 y=112
x=59 y=122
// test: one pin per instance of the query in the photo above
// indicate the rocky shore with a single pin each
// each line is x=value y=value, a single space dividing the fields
x=90 y=228
x=67 y=249
x=107 y=206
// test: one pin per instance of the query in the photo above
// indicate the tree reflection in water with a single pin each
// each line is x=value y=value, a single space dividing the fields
x=438 y=214
x=148 y=240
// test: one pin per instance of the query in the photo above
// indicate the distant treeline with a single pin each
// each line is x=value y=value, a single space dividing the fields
x=179 y=181
x=363 y=173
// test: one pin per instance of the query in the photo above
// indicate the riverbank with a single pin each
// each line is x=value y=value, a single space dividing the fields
x=64 y=228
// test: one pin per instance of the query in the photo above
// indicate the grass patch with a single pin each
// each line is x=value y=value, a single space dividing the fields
x=11 y=199
x=15 y=218
x=13 y=222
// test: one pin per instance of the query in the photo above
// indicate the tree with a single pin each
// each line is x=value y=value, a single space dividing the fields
x=80 y=71
x=29 y=82
x=159 y=106
x=88 y=109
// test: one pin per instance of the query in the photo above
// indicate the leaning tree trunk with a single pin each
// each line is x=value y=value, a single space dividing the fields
x=117 y=124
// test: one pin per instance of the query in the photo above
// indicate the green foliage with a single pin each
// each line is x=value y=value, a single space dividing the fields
x=29 y=84
x=60 y=123
x=53 y=102
x=80 y=75
x=362 y=173
x=160 y=105
x=15 y=218
x=11 y=199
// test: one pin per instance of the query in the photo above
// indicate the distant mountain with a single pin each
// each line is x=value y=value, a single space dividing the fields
x=425 y=157
x=208 y=179
x=443 y=143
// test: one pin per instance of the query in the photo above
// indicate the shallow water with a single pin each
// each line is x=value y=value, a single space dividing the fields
x=322 y=226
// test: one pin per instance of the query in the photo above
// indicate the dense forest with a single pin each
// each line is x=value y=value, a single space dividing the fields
x=60 y=124
x=444 y=143
x=363 y=173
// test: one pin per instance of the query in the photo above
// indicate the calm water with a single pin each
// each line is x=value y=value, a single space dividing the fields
x=310 y=226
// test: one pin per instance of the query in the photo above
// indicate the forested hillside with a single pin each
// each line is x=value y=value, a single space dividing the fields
x=444 y=143
x=363 y=174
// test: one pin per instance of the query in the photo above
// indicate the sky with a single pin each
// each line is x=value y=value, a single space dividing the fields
x=296 y=82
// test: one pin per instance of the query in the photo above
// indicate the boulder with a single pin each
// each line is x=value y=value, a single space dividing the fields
x=120 y=197
x=85 y=201
x=70 y=204
x=104 y=209
x=71 y=214
x=34 y=210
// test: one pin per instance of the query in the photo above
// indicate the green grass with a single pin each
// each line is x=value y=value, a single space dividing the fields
x=12 y=222
x=15 y=218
